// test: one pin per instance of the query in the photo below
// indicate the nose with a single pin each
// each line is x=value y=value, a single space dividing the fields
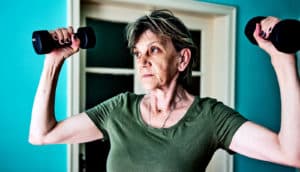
x=143 y=61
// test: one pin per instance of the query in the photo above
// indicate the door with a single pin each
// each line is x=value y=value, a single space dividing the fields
x=108 y=69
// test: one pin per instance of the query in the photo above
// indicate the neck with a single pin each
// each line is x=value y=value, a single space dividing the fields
x=165 y=100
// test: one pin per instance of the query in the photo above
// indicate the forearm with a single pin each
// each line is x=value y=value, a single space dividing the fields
x=289 y=135
x=43 y=118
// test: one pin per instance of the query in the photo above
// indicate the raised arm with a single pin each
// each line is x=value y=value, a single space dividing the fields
x=44 y=129
x=257 y=142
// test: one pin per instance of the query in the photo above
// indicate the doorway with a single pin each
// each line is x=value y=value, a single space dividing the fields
x=213 y=28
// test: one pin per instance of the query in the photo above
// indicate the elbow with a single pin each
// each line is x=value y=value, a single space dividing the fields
x=36 y=140
x=296 y=163
x=293 y=161
x=296 y=159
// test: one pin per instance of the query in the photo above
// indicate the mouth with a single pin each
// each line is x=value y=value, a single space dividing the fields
x=147 y=75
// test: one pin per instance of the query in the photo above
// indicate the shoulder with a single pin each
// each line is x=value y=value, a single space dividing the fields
x=202 y=107
x=212 y=107
x=122 y=102
x=212 y=103
x=206 y=103
x=128 y=97
x=115 y=102
x=122 y=97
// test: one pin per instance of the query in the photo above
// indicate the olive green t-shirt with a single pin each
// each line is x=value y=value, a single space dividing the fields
x=187 y=146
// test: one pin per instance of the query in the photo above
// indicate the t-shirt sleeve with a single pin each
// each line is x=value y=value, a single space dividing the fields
x=226 y=122
x=101 y=113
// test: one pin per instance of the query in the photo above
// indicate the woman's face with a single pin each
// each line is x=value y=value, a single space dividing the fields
x=157 y=60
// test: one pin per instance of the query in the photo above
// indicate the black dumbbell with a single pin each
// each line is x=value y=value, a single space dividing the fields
x=285 y=35
x=43 y=42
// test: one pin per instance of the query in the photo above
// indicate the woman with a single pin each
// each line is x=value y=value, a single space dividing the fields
x=168 y=129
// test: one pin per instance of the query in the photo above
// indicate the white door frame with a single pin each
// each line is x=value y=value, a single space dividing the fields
x=218 y=70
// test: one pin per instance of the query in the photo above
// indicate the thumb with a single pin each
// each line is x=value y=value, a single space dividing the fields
x=75 y=43
x=257 y=36
x=264 y=44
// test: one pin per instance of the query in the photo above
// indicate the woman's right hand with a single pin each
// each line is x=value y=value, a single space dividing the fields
x=64 y=36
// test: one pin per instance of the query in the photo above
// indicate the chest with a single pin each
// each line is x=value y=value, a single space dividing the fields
x=188 y=144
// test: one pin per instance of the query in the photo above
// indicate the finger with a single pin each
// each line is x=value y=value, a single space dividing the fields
x=60 y=36
x=258 y=37
x=53 y=35
x=75 y=40
x=270 y=29
x=264 y=26
x=71 y=33
x=267 y=26
x=70 y=30
x=257 y=32
x=268 y=32
x=66 y=36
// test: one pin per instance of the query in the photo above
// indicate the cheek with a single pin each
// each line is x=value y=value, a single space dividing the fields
x=163 y=64
x=159 y=72
x=164 y=68
x=164 y=73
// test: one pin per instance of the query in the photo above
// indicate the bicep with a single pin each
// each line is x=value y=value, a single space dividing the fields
x=75 y=129
x=257 y=142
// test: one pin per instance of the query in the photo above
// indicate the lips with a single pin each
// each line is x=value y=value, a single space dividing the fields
x=147 y=75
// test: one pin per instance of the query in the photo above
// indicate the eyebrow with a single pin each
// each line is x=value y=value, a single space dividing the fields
x=161 y=42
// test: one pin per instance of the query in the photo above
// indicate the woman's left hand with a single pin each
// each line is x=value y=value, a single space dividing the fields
x=262 y=33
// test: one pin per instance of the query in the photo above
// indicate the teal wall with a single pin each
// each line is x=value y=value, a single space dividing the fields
x=257 y=92
x=20 y=70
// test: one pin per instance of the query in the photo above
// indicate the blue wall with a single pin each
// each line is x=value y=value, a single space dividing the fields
x=20 y=70
x=257 y=92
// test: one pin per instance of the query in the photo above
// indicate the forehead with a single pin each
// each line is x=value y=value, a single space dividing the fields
x=148 y=37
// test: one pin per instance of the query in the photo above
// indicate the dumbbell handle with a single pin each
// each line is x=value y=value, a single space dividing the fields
x=43 y=42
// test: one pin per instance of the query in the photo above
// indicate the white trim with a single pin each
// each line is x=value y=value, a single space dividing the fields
x=183 y=5
x=119 y=71
x=109 y=71
x=221 y=55
x=73 y=85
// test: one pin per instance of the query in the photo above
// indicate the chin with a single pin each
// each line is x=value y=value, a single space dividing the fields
x=149 y=86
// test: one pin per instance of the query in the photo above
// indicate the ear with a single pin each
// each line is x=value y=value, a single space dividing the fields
x=184 y=59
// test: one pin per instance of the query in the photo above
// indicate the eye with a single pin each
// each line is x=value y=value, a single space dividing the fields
x=136 y=54
x=154 y=49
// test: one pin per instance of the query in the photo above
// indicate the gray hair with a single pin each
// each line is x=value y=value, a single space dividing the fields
x=165 y=25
